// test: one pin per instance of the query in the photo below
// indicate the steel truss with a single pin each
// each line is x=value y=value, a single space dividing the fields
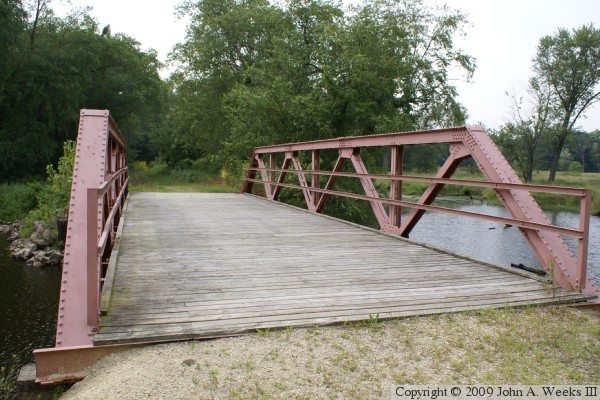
x=567 y=269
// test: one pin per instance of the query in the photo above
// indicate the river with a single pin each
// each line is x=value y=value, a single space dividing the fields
x=495 y=243
x=29 y=296
x=29 y=308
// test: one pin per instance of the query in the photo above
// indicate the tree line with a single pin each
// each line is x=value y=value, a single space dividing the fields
x=51 y=67
x=255 y=72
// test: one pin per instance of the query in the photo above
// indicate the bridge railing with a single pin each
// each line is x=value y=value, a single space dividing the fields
x=99 y=189
x=567 y=269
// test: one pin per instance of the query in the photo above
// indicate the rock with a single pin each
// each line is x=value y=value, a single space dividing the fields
x=16 y=244
x=22 y=249
x=35 y=250
x=22 y=254
x=37 y=239
x=13 y=236
x=47 y=236
x=55 y=257
x=39 y=227
x=4 y=229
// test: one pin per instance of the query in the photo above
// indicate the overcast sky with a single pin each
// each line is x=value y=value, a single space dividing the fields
x=502 y=37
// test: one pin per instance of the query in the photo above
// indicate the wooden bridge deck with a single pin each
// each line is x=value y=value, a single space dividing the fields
x=202 y=265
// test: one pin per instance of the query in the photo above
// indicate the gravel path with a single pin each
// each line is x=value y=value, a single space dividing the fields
x=506 y=346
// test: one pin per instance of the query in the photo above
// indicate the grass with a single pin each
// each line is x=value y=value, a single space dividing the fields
x=587 y=180
x=548 y=202
x=157 y=177
x=533 y=345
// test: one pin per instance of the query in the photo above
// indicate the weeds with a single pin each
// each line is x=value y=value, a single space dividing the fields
x=263 y=332
x=188 y=362
x=8 y=378
x=374 y=320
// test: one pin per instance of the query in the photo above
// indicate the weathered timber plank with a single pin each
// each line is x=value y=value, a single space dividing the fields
x=203 y=265
x=286 y=309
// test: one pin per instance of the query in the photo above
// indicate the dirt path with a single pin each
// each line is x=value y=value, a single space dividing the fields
x=536 y=345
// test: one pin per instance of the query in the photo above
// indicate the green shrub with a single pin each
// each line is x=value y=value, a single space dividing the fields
x=53 y=197
x=575 y=166
x=16 y=200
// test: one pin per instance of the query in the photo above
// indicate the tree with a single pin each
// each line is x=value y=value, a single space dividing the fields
x=570 y=64
x=532 y=119
x=54 y=67
x=253 y=72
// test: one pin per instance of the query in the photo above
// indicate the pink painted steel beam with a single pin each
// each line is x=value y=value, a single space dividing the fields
x=425 y=207
x=302 y=179
x=460 y=182
x=315 y=178
x=90 y=164
x=265 y=178
x=339 y=165
x=371 y=192
x=550 y=248
x=397 y=168
x=96 y=189
x=457 y=154
x=388 y=139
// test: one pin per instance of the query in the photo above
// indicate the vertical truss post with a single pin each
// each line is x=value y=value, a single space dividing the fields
x=248 y=183
x=93 y=259
x=271 y=172
x=315 y=178
x=397 y=169
x=582 y=243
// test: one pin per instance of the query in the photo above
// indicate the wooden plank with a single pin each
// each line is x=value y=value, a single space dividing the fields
x=196 y=265
x=355 y=307
x=112 y=264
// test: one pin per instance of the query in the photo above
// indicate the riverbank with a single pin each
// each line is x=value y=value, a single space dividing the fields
x=548 y=202
x=549 y=345
x=37 y=249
